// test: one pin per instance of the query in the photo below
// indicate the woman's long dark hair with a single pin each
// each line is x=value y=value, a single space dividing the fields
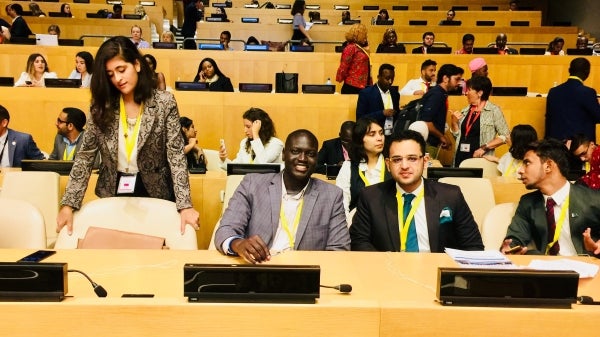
x=361 y=128
x=215 y=66
x=520 y=137
x=267 y=128
x=88 y=59
x=105 y=96
x=185 y=123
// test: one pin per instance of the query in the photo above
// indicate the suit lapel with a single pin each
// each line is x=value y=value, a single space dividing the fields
x=431 y=207
x=390 y=206
x=575 y=209
x=275 y=202
x=11 y=144
x=310 y=199
x=147 y=122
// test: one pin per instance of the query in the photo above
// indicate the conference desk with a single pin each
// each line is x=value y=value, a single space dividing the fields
x=393 y=294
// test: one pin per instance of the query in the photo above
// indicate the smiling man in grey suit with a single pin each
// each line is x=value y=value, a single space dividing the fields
x=269 y=213
x=559 y=218
x=69 y=132
x=436 y=215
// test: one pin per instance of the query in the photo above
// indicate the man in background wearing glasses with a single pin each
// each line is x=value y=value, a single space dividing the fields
x=409 y=213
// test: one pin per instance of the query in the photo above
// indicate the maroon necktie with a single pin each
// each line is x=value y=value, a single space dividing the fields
x=550 y=203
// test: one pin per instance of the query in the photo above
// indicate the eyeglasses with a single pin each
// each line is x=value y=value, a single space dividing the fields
x=583 y=153
x=411 y=159
x=60 y=121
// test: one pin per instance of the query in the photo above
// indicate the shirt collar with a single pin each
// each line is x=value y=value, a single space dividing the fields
x=383 y=92
x=415 y=192
x=297 y=196
x=68 y=142
x=362 y=166
x=561 y=195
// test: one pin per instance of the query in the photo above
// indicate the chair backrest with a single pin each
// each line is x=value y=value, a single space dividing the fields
x=233 y=181
x=149 y=216
x=42 y=189
x=495 y=224
x=21 y=225
x=478 y=193
x=490 y=169
x=213 y=160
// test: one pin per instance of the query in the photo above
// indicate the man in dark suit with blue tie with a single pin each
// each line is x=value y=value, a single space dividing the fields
x=409 y=213
x=559 y=218
x=379 y=101
x=14 y=145
x=572 y=107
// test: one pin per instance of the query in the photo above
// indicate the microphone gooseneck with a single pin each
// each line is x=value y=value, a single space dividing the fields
x=343 y=288
x=98 y=289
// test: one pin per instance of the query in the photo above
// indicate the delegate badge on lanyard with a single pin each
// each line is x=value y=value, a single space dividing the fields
x=127 y=184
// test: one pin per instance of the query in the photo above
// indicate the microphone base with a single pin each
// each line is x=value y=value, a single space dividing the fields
x=32 y=282
x=251 y=283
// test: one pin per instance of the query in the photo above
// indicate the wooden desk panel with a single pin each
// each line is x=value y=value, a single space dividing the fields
x=395 y=296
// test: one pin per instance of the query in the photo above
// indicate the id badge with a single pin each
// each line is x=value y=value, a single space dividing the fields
x=465 y=147
x=388 y=125
x=127 y=184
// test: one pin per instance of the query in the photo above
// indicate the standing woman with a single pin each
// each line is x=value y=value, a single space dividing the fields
x=366 y=165
x=480 y=127
x=209 y=72
x=260 y=145
x=355 y=64
x=136 y=130
x=300 y=32
x=35 y=72
x=84 y=63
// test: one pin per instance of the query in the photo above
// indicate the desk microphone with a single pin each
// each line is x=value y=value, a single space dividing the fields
x=343 y=288
x=587 y=300
x=98 y=289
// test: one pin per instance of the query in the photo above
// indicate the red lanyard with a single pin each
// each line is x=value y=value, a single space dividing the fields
x=470 y=123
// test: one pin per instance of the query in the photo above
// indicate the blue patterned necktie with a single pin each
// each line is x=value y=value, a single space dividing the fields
x=412 y=244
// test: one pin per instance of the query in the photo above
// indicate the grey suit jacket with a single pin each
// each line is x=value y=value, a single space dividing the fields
x=529 y=223
x=21 y=146
x=59 y=149
x=375 y=223
x=254 y=210
x=160 y=158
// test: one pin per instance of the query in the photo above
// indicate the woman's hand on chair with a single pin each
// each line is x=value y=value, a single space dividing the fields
x=65 y=218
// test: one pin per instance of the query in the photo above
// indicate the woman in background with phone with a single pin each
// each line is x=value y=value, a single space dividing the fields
x=136 y=129
x=84 y=63
x=36 y=71
x=194 y=154
x=208 y=72
x=260 y=145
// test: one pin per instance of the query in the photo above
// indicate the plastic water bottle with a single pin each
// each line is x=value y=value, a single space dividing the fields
x=328 y=81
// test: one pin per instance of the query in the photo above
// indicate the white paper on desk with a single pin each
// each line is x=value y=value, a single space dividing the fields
x=585 y=270
x=308 y=25
x=492 y=259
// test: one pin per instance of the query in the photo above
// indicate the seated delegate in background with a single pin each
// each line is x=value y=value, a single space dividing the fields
x=480 y=127
x=117 y=12
x=69 y=132
x=136 y=37
x=16 y=145
x=224 y=39
x=309 y=213
x=65 y=9
x=520 y=137
x=355 y=65
x=260 y=145
x=167 y=36
x=366 y=165
x=345 y=17
x=390 y=40
x=158 y=77
x=589 y=153
x=36 y=10
x=54 y=30
x=208 y=72
x=383 y=15
x=336 y=151
x=252 y=40
x=555 y=47
x=419 y=86
x=84 y=63
x=35 y=72
x=194 y=154
x=450 y=15
x=4 y=31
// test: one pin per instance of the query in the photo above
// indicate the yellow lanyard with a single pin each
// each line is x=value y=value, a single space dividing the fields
x=559 y=224
x=587 y=167
x=284 y=223
x=69 y=155
x=512 y=168
x=404 y=225
x=130 y=140
x=388 y=101
x=381 y=174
